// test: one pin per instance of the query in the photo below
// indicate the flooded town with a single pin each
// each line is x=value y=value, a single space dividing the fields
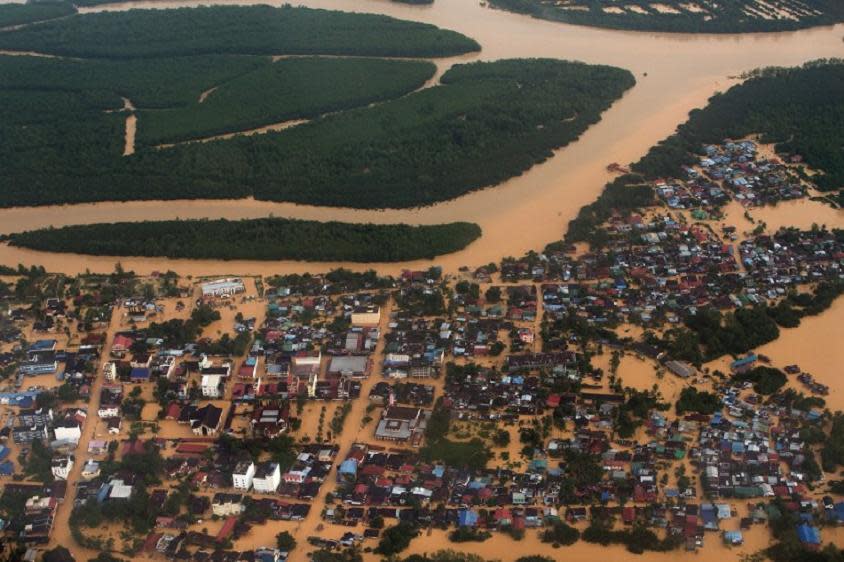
x=638 y=357
x=553 y=403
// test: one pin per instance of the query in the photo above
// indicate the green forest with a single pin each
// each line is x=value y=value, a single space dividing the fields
x=255 y=239
x=297 y=88
x=19 y=14
x=730 y=16
x=252 y=30
x=149 y=83
x=800 y=110
x=485 y=123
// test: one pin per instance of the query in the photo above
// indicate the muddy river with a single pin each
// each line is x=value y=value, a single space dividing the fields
x=675 y=73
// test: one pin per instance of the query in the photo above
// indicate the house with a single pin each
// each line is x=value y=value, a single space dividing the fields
x=68 y=431
x=269 y=421
x=366 y=316
x=224 y=505
x=355 y=366
x=61 y=467
x=139 y=374
x=110 y=371
x=90 y=470
x=681 y=369
x=400 y=423
x=121 y=344
x=267 y=478
x=242 y=475
x=809 y=536
x=212 y=386
x=304 y=372
x=205 y=420
x=223 y=288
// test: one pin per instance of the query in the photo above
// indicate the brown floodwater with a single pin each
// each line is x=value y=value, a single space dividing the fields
x=675 y=73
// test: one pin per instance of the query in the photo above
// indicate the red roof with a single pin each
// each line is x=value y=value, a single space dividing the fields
x=191 y=448
x=173 y=411
x=151 y=541
x=121 y=341
x=227 y=529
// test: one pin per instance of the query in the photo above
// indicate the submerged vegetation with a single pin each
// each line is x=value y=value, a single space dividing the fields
x=257 y=239
x=733 y=16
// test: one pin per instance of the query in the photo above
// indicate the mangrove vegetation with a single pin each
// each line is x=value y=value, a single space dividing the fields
x=255 y=239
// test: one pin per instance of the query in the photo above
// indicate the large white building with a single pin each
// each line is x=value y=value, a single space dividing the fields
x=68 y=431
x=62 y=466
x=267 y=478
x=223 y=287
x=242 y=475
x=212 y=386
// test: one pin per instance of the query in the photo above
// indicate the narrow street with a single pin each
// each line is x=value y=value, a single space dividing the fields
x=61 y=535
x=352 y=432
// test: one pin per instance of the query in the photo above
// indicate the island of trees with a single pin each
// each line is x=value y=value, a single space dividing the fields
x=255 y=30
x=736 y=16
x=485 y=123
x=255 y=239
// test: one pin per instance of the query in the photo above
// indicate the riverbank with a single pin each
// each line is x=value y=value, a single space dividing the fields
x=531 y=210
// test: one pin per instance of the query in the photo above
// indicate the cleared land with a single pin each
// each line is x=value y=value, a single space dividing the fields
x=258 y=239
x=683 y=16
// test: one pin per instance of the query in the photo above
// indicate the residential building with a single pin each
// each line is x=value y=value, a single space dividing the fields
x=267 y=477
x=242 y=475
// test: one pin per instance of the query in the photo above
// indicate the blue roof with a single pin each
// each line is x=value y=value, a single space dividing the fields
x=744 y=361
x=808 y=534
x=4 y=452
x=348 y=466
x=41 y=345
x=467 y=518
x=7 y=468
x=733 y=536
x=139 y=373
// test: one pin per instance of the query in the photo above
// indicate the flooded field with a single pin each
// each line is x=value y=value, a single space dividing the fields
x=675 y=73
